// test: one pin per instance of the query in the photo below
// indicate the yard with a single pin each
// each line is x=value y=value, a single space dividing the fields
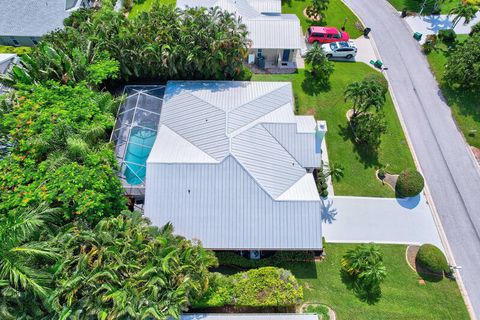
x=145 y=6
x=328 y=104
x=415 y=5
x=403 y=297
x=464 y=105
x=335 y=16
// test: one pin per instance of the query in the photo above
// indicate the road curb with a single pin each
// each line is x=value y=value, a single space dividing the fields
x=430 y=202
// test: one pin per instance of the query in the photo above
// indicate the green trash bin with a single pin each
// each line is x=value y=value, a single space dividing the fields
x=417 y=36
x=378 y=64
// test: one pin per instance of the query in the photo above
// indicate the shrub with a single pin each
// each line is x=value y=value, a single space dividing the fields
x=244 y=75
x=263 y=287
x=447 y=36
x=432 y=259
x=378 y=78
x=279 y=258
x=409 y=184
x=322 y=185
x=368 y=128
x=475 y=29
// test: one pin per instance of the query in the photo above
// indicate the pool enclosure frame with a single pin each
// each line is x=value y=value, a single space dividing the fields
x=139 y=113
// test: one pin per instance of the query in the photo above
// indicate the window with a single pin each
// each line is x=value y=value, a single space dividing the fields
x=329 y=36
x=337 y=36
x=34 y=40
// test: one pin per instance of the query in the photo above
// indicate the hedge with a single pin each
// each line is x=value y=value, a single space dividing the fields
x=279 y=258
x=263 y=287
x=432 y=259
x=409 y=184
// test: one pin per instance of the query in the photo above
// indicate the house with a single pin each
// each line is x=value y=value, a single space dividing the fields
x=24 y=22
x=232 y=166
x=275 y=36
x=7 y=61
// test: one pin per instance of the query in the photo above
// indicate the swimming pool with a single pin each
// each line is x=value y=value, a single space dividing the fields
x=139 y=146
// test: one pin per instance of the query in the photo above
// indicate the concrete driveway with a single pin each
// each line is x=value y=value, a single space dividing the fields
x=448 y=165
x=358 y=219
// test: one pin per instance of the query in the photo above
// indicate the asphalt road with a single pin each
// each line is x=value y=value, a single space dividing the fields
x=450 y=171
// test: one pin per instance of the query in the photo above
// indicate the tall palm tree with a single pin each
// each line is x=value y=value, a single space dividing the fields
x=463 y=10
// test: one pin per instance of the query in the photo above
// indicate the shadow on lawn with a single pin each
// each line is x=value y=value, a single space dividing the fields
x=369 y=295
x=302 y=270
x=313 y=86
x=367 y=155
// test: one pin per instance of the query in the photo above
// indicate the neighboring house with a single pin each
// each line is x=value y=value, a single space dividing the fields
x=24 y=22
x=7 y=61
x=232 y=166
x=276 y=37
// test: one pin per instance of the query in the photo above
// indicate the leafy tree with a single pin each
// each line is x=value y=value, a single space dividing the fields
x=317 y=9
x=322 y=68
x=462 y=70
x=58 y=151
x=124 y=268
x=24 y=279
x=365 y=266
x=463 y=10
x=365 y=95
x=368 y=128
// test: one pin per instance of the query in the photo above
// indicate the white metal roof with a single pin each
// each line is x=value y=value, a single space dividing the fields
x=267 y=27
x=221 y=165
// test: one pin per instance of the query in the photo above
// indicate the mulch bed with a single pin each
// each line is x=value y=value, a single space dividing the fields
x=390 y=179
x=310 y=18
x=411 y=254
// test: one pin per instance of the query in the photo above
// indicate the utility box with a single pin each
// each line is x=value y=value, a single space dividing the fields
x=417 y=36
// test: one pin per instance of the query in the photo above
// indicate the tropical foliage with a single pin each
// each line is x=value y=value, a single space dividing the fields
x=462 y=70
x=163 y=43
x=24 y=258
x=463 y=10
x=364 y=265
x=368 y=128
x=263 y=287
x=316 y=9
x=125 y=269
x=321 y=67
x=58 y=151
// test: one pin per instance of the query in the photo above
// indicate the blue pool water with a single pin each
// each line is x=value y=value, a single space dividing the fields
x=139 y=146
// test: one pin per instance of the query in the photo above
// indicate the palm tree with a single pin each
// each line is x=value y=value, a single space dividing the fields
x=316 y=9
x=463 y=10
x=365 y=265
x=365 y=95
x=334 y=170
x=322 y=68
x=124 y=268
x=22 y=277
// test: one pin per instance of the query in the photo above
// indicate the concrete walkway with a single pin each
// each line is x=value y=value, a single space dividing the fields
x=382 y=220
x=450 y=170
x=434 y=23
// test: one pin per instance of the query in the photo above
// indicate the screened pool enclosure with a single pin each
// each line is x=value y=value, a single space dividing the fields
x=135 y=132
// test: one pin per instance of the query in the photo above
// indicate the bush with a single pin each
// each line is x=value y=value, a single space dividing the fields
x=263 y=287
x=279 y=258
x=378 y=78
x=432 y=259
x=447 y=36
x=409 y=184
x=475 y=29
x=244 y=75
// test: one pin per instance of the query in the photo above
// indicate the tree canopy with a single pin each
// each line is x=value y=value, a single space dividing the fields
x=462 y=70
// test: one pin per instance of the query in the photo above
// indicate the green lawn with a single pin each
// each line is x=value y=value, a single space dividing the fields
x=464 y=104
x=335 y=15
x=329 y=105
x=402 y=296
x=137 y=8
x=415 y=5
